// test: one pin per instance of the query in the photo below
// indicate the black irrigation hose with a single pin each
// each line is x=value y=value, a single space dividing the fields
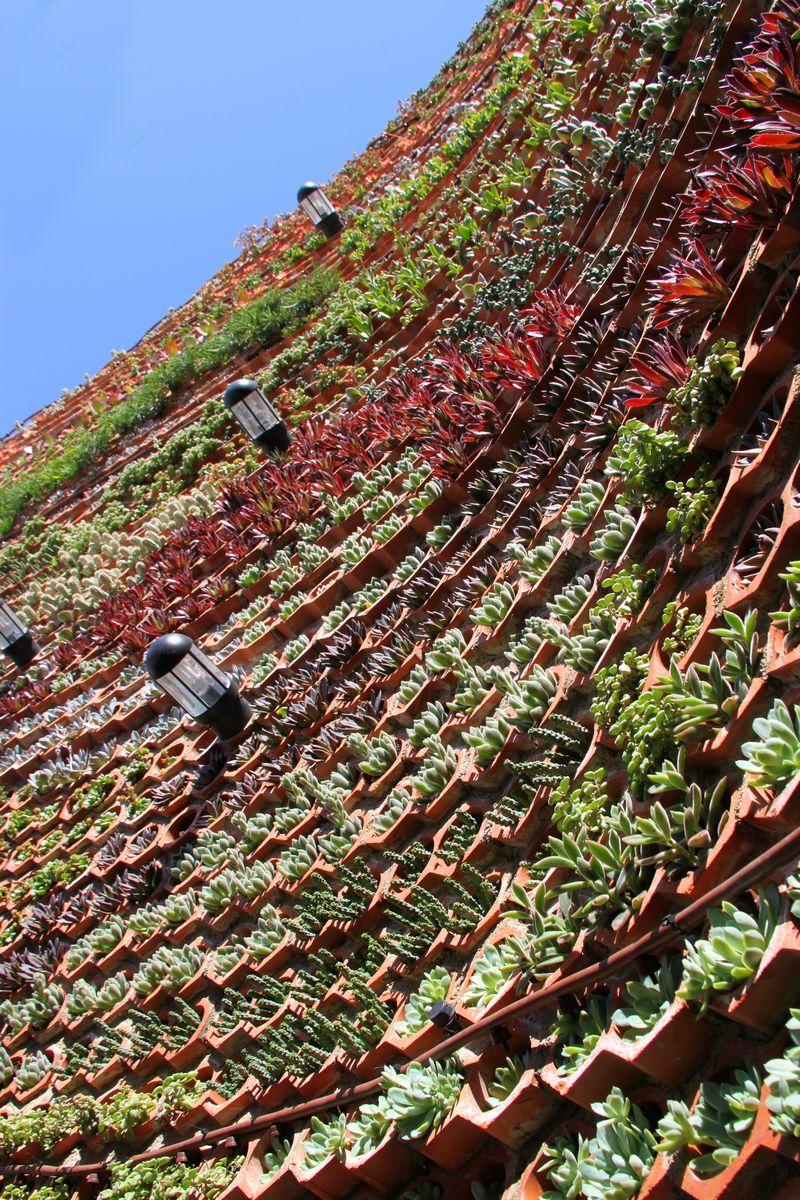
x=670 y=928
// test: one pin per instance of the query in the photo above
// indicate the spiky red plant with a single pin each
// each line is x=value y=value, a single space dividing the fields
x=690 y=287
x=656 y=372
x=550 y=314
x=763 y=89
x=514 y=359
x=752 y=195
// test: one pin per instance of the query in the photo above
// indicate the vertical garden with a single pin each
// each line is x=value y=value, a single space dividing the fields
x=496 y=893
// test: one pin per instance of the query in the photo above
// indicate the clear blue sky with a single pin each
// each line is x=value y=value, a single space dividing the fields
x=140 y=136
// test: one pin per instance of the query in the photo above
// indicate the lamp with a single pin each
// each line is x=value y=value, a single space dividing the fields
x=16 y=641
x=318 y=208
x=257 y=417
x=192 y=680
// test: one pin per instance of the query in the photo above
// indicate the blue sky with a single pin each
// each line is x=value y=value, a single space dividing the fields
x=138 y=138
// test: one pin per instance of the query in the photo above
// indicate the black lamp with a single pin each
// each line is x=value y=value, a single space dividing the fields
x=257 y=417
x=190 y=679
x=318 y=208
x=16 y=641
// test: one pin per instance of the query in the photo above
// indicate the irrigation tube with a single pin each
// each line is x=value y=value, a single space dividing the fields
x=670 y=928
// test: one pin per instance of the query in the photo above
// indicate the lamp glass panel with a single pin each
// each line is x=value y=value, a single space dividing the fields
x=247 y=419
x=195 y=683
x=317 y=206
x=255 y=414
x=11 y=629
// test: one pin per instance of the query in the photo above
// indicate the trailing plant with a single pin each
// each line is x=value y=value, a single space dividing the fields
x=646 y=460
x=708 y=385
x=167 y=1179
x=695 y=501
x=617 y=685
x=580 y=806
x=645 y=730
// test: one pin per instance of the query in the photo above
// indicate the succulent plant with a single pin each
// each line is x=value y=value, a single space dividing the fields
x=369 y=1128
x=721 y=1119
x=610 y=541
x=34 y=1067
x=783 y=1081
x=487 y=740
x=773 y=758
x=437 y=770
x=491 y=972
x=731 y=952
x=375 y=755
x=613 y=1163
x=328 y=1137
x=584 y=504
x=533 y=563
x=419 y=1099
x=433 y=986
x=579 y=1033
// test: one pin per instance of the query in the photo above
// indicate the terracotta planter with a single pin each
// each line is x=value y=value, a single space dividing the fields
x=673 y=1049
x=765 y=997
x=524 y=1111
x=753 y=1164
x=388 y=1166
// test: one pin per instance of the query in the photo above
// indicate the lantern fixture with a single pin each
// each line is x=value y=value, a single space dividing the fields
x=192 y=680
x=16 y=640
x=318 y=208
x=257 y=417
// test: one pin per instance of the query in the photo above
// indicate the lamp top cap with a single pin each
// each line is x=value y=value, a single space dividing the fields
x=306 y=190
x=164 y=654
x=237 y=391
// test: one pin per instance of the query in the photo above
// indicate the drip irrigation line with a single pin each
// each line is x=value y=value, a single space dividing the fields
x=675 y=925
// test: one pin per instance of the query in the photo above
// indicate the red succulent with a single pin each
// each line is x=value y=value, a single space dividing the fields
x=514 y=359
x=656 y=372
x=690 y=287
x=753 y=195
x=763 y=89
